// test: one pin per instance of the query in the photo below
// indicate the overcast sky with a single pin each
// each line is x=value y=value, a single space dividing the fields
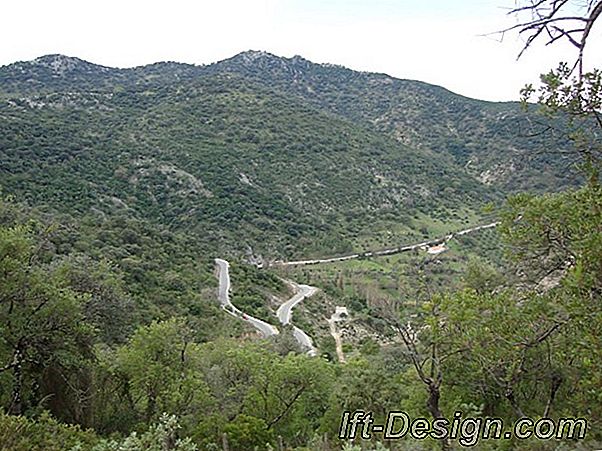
x=436 y=41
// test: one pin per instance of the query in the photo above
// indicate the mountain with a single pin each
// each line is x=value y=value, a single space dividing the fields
x=278 y=155
x=60 y=73
x=496 y=142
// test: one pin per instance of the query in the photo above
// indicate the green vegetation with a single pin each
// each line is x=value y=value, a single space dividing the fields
x=66 y=348
x=122 y=186
x=239 y=156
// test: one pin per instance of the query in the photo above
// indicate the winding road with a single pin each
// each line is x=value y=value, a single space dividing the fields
x=285 y=312
x=223 y=296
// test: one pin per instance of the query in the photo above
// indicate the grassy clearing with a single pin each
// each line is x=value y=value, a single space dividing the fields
x=406 y=279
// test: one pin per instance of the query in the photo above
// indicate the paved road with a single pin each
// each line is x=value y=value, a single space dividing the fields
x=305 y=341
x=223 y=295
x=285 y=312
x=394 y=250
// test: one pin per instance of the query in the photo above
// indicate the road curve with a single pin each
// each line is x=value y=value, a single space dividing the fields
x=305 y=341
x=223 y=295
x=285 y=312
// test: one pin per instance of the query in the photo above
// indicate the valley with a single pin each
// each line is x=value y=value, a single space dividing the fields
x=303 y=292
x=231 y=256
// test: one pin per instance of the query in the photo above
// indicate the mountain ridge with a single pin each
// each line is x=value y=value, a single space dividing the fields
x=257 y=145
x=245 y=57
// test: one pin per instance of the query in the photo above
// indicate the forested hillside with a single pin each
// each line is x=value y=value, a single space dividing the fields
x=496 y=143
x=259 y=146
x=121 y=186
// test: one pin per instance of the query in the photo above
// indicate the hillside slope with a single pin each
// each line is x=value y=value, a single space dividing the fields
x=278 y=155
x=496 y=142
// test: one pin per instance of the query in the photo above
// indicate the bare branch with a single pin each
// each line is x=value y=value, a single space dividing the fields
x=287 y=407
x=550 y=18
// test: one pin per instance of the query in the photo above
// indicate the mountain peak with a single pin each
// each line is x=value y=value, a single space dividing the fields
x=253 y=56
x=262 y=62
x=261 y=56
x=61 y=64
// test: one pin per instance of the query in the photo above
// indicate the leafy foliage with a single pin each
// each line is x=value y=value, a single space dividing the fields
x=129 y=182
x=256 y=146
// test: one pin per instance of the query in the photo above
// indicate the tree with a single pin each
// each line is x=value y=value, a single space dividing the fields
x=482 y=277
x=557 y=244
x=371 y=384
x=426 y=345
x=254 y=387
x=19 y=433
x=160 y=437
x=160 y=365
x=107 y=308
x=248 y=432
x=45 y=343
x=513 y=358
x=555 y=20
x=570 y=93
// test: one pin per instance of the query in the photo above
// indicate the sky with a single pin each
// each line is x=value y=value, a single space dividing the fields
x=448 y=43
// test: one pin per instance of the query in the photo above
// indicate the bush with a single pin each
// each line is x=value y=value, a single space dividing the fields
x=18 y=433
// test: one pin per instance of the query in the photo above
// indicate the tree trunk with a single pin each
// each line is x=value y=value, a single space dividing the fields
x=16 y=404
x=151 y=406
x=225 y=442
x=433 y=407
